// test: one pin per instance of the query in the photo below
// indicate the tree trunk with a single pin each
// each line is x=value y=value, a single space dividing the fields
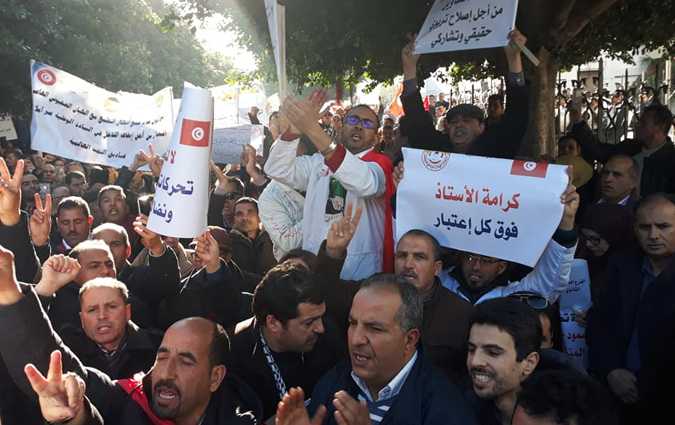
x=541 y=134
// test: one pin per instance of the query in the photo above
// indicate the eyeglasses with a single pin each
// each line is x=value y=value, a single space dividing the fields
x=365 y=122
x=535 y=301
x=481 y=259
x=594 y=240
x=231 y=196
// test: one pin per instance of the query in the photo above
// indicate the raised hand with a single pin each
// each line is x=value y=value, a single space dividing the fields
x=349 y=411
x=41 y=221
x=301 y=116
x=57 y=272
x=153 y=160
x=208 y=251
x=61 y=396
x=409 y=59
x=512 y=50
x=9 y=287
x=149 y=239
x=570 y=198
x=398 y=173
x=341 y=233
x=10 y=193
x=291 y=410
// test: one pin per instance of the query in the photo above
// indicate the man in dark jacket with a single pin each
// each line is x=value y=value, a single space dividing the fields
x=446 y=316
x=632 y=331
x=188 y=383
x=388 y=379
x=108 y=340
x=251 y=245
x=653 y=150
x=286 y=343
x=465 y=123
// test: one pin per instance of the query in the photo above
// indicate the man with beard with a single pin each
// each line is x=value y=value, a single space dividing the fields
x=286 y=343
x=503 y=350
x=388 y=378
x=112 y=203
x=350 y=172
x=73 y=221
x=188 y=384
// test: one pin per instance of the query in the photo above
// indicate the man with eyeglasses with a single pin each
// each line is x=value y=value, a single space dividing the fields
x=348 y=172
x=477 y=278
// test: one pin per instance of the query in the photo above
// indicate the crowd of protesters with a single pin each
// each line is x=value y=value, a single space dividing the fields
x=296 y=307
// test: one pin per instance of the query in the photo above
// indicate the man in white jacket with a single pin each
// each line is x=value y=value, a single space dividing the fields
x=349 y=172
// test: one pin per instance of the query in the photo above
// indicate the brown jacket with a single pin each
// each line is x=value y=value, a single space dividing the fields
x=445 y=324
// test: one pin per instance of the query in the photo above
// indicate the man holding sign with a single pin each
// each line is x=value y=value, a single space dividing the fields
x=465 y=124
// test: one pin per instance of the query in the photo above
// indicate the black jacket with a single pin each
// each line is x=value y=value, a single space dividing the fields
x=501 y=140
x=137 y=353
x=425 y=398
x=658 y=170
x=29 y=338
x=253 y=256
x=298 y=370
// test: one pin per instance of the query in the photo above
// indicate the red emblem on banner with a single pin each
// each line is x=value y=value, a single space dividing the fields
x=529 y=168
x=46 y=76
x=195 y=133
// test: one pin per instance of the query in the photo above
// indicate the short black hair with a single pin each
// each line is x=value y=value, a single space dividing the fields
x=247 y=200
x=281 y=291
x=307 y=257
x=567 y=397
x=219 y=349
x=110 y=188
x=515 y=318
x=660 y=115
x=72 y=203
x=567 y=137
x=436 y=247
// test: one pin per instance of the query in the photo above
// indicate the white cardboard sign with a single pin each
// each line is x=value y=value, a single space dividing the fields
x=466 y=24
x=501 y=208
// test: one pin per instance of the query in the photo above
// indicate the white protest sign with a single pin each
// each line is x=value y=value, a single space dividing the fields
x=276 y=21
x=578 y=293
x=228 y=143
x=78 y=120
x=182 y=191
x=7 y=129
x=501 y=208
x=576 y=299
x=466 y=24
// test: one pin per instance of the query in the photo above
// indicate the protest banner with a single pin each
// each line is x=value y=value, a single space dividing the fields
x=7 y=129
x=228 y=142
x=576 y=300
x=182 y=191
x=466 y=24
x=75 y=119
x=501 y=208
x=276 y=21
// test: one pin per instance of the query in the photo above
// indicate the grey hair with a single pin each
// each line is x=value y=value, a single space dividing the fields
x=409 y=315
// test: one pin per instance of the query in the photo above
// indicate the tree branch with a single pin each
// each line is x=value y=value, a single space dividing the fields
x=582 y=14
x=561 y=18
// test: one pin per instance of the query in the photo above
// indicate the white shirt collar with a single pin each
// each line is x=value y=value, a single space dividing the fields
x=363 y=153
x=622 y=202
x=394 y=386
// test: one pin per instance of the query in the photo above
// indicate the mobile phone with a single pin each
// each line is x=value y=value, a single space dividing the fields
x=145 y=204
x=44 y=189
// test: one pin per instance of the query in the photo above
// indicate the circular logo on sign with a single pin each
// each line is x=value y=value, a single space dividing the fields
x=198 y=134
x=434 y=160
x=46 y=76
x=529 y=166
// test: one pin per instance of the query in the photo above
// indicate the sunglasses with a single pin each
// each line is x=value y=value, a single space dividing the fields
x=365 y=122
x=535 y=301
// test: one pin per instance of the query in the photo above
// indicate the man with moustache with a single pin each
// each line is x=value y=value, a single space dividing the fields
x=187 y=385
x=387 y=379
x=73 y=220
x=286 y=343
x=349 y=172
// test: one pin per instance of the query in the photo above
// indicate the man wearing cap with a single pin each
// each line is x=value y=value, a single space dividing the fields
x=466 y=131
